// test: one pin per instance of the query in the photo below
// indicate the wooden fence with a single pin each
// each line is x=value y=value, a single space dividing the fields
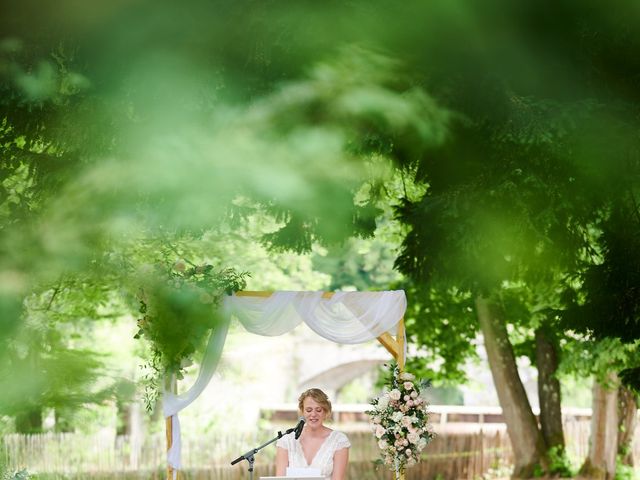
x=103 y=456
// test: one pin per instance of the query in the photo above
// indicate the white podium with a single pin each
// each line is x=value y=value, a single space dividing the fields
x=292 y=478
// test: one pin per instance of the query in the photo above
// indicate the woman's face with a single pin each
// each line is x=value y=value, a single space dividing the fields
x=314 y=414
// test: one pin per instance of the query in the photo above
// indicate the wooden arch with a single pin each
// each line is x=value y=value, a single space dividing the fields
x=395 y=346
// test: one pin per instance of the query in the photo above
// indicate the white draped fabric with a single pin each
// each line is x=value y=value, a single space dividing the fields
x=172 y=403
x=345 y=317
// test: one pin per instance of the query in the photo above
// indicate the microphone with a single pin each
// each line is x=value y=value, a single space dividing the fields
x=298 y=429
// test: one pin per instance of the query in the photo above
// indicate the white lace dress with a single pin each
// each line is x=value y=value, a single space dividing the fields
x=324 y=457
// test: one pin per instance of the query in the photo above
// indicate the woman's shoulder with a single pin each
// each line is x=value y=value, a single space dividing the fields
x=340 y=439
x=286 y=441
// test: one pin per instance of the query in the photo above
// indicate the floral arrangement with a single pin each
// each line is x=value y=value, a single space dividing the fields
x=400 y=421
x=177 y=309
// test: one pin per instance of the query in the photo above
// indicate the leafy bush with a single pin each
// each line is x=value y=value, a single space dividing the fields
x=177 y=310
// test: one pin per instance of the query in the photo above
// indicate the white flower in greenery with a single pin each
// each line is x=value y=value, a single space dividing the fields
x=413 y=438
x=397 y=416
x=408 y=385
x=206 y=298
x=407 y=376
x=383 y=402
x=395 y=394
x=406 y=421
x=380 y=431
x=414 y=394
x=383 y=444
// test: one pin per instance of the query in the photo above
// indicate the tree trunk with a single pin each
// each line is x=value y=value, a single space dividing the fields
x=601 y=461
x=549 y=390
x=628 y=420
x=64 y=421
x=526 y=440
x=123 y=418
x=29 y=421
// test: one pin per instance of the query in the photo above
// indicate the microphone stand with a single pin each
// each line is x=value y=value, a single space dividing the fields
x=249 y=456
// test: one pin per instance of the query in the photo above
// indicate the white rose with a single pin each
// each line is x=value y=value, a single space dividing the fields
x=395 y=394
x=383 y=402
x=382 y=444
x=397 y=416
x=406 y=421
x=413 y=438
x=380 y=431
x=407 y=376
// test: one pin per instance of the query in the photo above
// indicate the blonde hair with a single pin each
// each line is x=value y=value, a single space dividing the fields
x=319 y=396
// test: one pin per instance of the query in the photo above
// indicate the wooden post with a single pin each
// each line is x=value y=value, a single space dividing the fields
x=400 y=340
x=481 y=472
x=171 y=385
x=400 y=360
x=169 y=431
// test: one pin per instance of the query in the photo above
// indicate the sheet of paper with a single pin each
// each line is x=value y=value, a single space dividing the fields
x=302 y=472
x=293 y=478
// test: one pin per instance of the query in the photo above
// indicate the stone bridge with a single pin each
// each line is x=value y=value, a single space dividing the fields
x=331 y=366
